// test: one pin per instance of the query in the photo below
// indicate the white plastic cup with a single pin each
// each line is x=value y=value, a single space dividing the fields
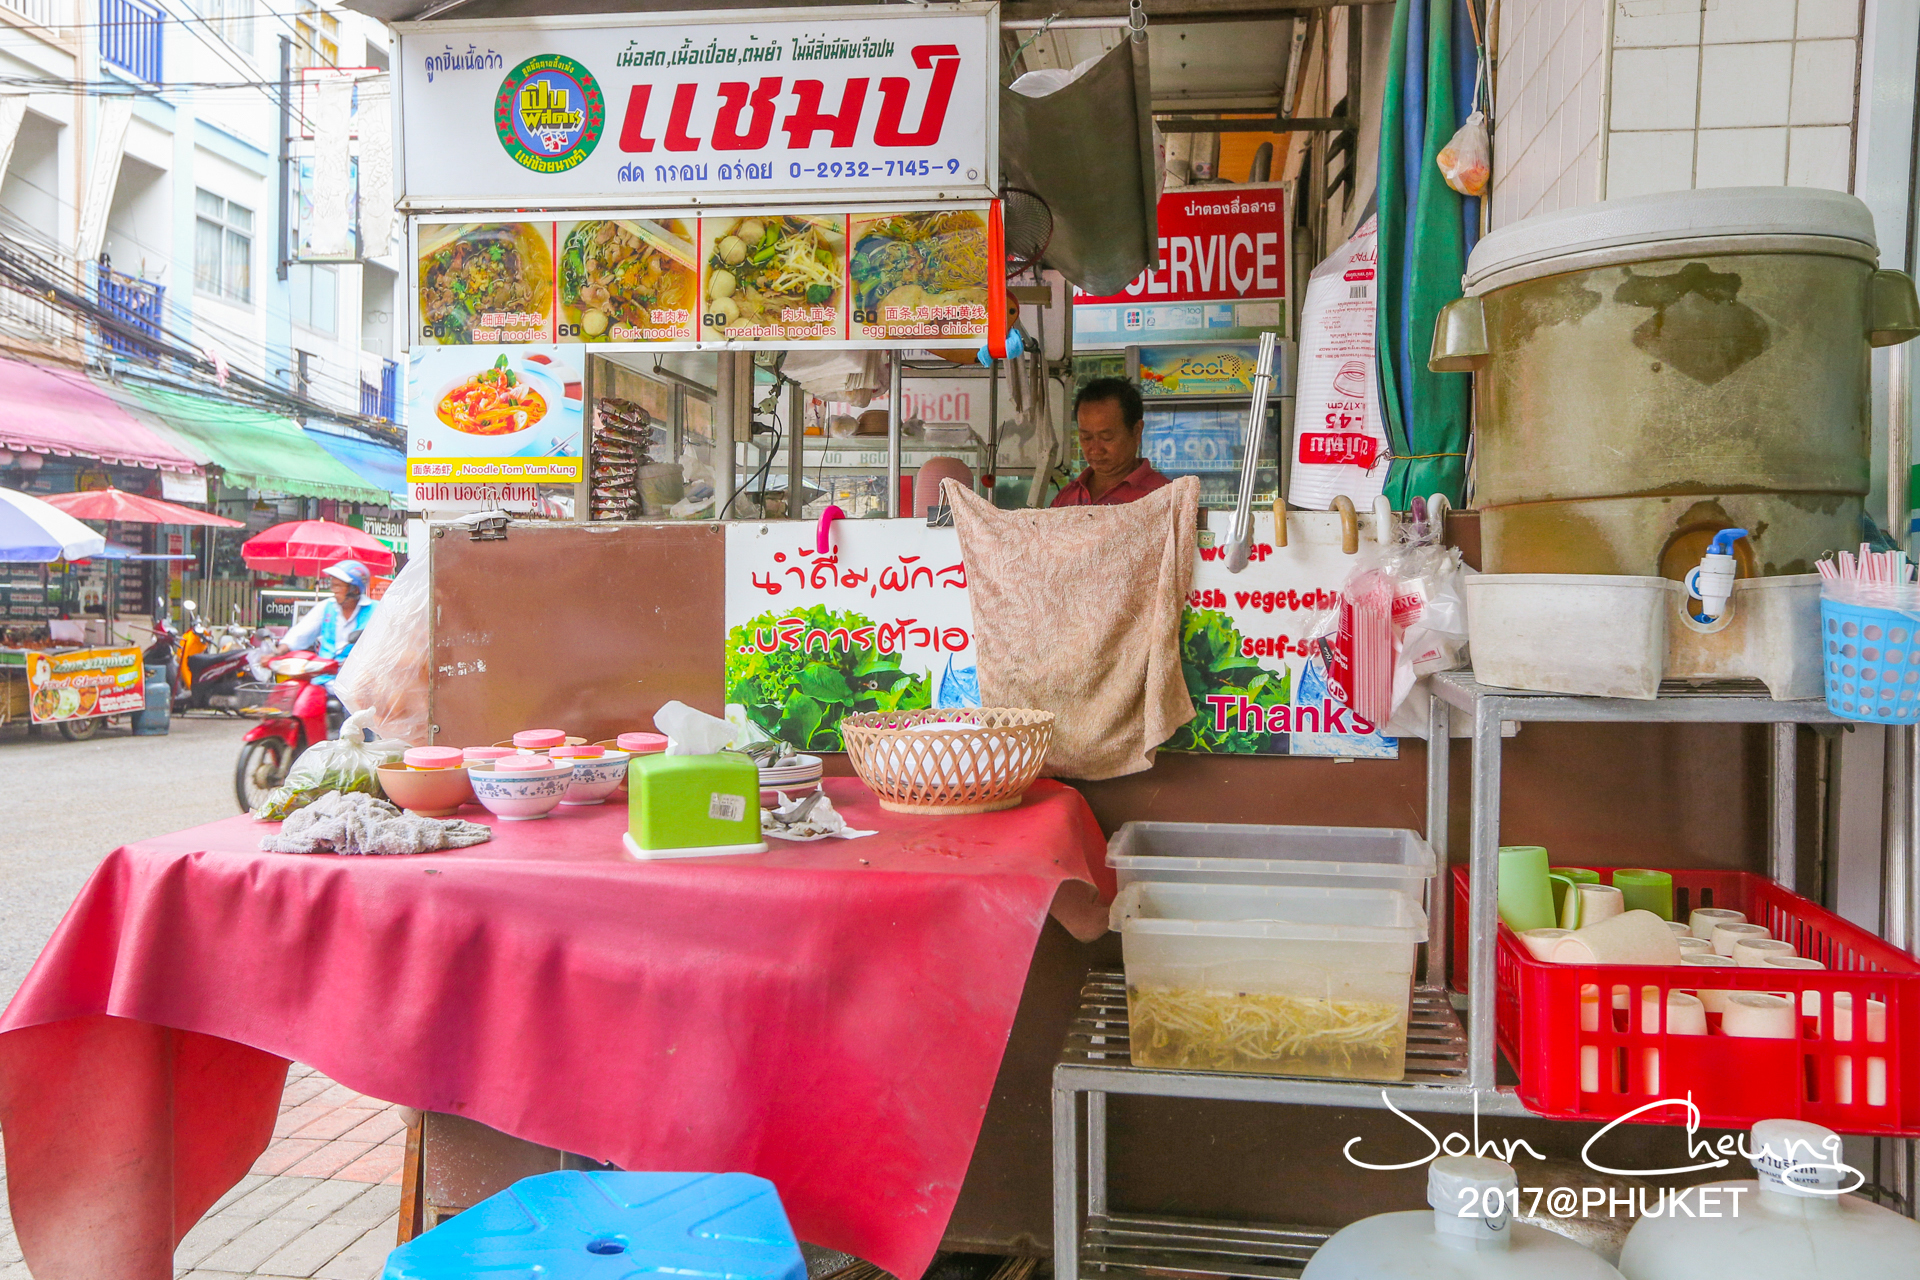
x=1725 y=936
x=1704 y=920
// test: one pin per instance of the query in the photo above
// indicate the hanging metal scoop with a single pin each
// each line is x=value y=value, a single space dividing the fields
x=1240 y=542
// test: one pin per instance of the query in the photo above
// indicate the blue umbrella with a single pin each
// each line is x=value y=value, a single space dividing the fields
x=35 y=532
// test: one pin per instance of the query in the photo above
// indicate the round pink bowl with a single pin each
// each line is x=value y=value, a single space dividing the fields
x=433 y=758
x=539 y=739
x=596 y=777
x=521 y=795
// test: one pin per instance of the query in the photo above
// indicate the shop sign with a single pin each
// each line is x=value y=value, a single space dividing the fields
x=771 y=276
x=480 y=416
x=1202 y=369
x=1261 y=682
x=882 y=622
x=1221 y=272
x=687 y=108
x=177 y=487
x=90 y=682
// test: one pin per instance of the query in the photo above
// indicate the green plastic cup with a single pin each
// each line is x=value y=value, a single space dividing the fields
x=1646 y=890
x=1526 y=894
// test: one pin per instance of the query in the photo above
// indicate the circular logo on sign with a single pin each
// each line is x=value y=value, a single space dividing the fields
x=549 y=113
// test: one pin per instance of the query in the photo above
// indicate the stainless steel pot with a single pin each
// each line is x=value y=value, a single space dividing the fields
x=1653 y=370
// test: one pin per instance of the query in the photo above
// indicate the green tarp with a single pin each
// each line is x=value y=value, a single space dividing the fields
x=1422 y=255
x=256 y=449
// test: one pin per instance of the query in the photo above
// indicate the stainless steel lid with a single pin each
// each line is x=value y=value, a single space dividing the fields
x=1666 y=223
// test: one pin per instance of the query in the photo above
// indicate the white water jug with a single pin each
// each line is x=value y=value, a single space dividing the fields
x=1469 y=1234
x=1795 y=1220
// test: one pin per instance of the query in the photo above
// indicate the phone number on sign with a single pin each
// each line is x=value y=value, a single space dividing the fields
x=873 y=168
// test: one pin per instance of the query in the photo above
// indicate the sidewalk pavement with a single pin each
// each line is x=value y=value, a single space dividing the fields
x=322 y=1203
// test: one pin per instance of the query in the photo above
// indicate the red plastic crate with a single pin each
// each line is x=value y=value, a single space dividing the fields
x=1615 y=1064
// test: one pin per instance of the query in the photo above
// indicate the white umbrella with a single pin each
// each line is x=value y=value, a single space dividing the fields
x=36 y=531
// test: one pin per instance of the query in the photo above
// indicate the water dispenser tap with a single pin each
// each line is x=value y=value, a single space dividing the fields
x=1712 y=581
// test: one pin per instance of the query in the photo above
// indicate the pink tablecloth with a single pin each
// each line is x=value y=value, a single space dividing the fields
x=830 y=1016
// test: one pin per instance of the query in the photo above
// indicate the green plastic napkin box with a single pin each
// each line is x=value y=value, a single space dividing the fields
x=693 y=806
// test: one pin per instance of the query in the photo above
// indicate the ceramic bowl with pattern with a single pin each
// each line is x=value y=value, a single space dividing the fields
x=516 y=797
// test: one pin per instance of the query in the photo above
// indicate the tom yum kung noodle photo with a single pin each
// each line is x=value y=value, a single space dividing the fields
x=487 y=282
x=773 y=276
x=493 y=402
x=627 y=281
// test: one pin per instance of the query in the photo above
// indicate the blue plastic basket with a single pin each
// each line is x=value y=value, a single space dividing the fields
x=1871 y=661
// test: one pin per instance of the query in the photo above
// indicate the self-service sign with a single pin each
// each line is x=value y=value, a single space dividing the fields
x=1221 y=273
x=665 y=109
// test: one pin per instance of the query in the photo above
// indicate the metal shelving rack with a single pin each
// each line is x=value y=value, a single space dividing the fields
x=1450 y=1068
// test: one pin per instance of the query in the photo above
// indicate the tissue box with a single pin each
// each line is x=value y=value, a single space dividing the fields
x=693 y=806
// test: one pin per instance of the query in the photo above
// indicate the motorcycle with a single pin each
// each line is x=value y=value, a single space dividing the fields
x=207 y=671
x=296 y=713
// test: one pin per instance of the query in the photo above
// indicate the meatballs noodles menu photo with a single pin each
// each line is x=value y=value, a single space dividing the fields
x=753 y=277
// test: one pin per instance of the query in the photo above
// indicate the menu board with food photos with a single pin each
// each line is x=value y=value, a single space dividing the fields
x=83 y=683
x=899 y=278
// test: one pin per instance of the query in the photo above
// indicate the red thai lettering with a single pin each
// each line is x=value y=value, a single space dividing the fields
x=677 y=138
x=734 y=97
x=633 y=128
x=890 y=131
x=807 y=118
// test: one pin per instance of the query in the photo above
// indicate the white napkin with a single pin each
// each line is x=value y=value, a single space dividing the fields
x=821 y=823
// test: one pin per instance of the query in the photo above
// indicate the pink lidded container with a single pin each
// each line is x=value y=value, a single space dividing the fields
x=539 y=739
x=487 y=755
x=433 y=758
x=642 y=744
x=518 y=763
x=577 y=753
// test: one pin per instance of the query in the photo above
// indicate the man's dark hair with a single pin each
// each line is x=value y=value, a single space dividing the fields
x=1133 y=410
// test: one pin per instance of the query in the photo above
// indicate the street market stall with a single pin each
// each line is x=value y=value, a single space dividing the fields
x=837 y=931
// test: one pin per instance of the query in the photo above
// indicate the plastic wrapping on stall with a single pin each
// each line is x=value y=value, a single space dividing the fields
x=386 y=673
x=347 y=763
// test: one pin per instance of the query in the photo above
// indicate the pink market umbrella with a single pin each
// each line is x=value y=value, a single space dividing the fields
x=305 y=547
x=131 y=508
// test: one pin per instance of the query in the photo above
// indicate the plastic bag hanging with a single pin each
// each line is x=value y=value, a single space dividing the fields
x=1466 y=162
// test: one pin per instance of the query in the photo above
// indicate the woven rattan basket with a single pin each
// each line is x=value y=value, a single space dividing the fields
x=972 y=770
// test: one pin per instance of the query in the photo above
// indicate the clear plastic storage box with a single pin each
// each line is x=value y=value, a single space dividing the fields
x=1277 y=980
x=1306 y=857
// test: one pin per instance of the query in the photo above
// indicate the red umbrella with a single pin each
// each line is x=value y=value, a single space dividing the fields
x=117 y=504
x=305 y=547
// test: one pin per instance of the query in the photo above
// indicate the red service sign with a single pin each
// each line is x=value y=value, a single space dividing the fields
x=1217 y=244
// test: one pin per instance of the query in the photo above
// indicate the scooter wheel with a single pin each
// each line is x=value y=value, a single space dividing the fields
x=263 y=766
x=79 y=730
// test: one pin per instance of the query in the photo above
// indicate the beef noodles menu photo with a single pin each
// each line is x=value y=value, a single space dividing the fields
x=495 y=415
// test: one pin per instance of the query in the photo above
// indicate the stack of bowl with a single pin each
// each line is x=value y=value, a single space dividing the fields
x=796 y=775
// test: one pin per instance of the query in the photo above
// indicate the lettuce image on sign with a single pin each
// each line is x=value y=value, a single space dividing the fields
x=549 y=113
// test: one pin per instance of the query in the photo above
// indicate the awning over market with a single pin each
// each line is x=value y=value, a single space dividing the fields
x=381 y=465
x=62 y=412
x=255 y=449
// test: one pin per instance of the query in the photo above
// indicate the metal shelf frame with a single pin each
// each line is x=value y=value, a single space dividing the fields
x=1450 y=1069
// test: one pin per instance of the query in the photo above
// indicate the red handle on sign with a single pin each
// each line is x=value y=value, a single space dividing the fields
x=823 y=532
x=996 y=283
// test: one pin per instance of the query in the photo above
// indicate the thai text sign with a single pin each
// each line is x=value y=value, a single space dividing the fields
x=89 y=682
x=881 y=621
x=679 y=108
x=1221 y=272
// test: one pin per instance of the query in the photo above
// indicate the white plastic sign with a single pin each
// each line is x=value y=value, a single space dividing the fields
x=1340 y=438
x=667 y=109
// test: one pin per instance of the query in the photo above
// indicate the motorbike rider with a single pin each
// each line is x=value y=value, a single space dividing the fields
x=330 y=629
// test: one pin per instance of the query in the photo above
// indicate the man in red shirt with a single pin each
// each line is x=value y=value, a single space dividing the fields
x=1111 y=419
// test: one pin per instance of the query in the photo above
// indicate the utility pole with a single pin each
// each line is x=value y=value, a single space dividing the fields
x=281 y=256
